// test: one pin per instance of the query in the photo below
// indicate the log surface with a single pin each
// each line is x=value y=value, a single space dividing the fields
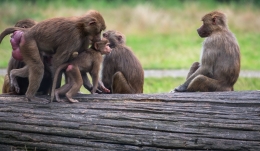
x=177 y=121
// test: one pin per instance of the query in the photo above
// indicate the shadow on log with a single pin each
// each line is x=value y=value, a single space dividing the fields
x=177 y=121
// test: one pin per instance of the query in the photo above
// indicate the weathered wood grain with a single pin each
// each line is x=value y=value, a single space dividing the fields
x=178 y=121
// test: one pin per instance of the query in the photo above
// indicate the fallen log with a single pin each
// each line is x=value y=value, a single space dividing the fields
x=186 y=121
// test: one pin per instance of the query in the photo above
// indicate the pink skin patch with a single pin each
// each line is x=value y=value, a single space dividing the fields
x=107 y=50
x=69 y=67
x=15 y=41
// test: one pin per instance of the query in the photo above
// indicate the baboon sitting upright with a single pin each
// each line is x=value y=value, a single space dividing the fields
x=219 y=67
x=122 y=72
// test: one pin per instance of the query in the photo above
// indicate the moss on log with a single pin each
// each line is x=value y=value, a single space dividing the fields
x=186 y=121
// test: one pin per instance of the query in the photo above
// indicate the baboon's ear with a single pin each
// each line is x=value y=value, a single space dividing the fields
x=96 y=45
x=93 y=21
x=120 y=38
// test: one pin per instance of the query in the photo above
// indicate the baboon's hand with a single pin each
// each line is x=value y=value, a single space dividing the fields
x=104 y=89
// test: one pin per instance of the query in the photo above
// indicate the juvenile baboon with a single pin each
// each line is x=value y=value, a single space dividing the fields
x=25 y=23
x=22 y=83
x=58 y=37
x=219 y=67
x=122 y=72
x=76 y=70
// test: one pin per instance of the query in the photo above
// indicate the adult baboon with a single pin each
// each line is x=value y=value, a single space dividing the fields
x=21 y=84
x=122 y=72
x=58 y=37
x=219 y=67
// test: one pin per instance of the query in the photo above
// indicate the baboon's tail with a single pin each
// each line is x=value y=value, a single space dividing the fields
x=10 y=30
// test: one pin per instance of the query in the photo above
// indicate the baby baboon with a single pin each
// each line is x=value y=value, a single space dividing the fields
x=88 y=61
x=219 y=67
x=58 y=37
x=20 y=86
x=122 y=72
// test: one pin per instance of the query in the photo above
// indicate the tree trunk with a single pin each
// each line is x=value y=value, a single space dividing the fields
x=172 y=121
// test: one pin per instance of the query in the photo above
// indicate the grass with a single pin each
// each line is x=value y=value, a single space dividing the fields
x=178 y=52
x=162 y=34
x=165 y=85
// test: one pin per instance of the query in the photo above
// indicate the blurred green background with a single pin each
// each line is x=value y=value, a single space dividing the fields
x=162 y=33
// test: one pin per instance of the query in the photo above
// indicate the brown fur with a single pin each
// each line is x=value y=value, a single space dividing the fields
x=59 y=37
x=122 y=72
x=25 y=23
x=88 y=61
x=20 y=84
x=220 y=61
